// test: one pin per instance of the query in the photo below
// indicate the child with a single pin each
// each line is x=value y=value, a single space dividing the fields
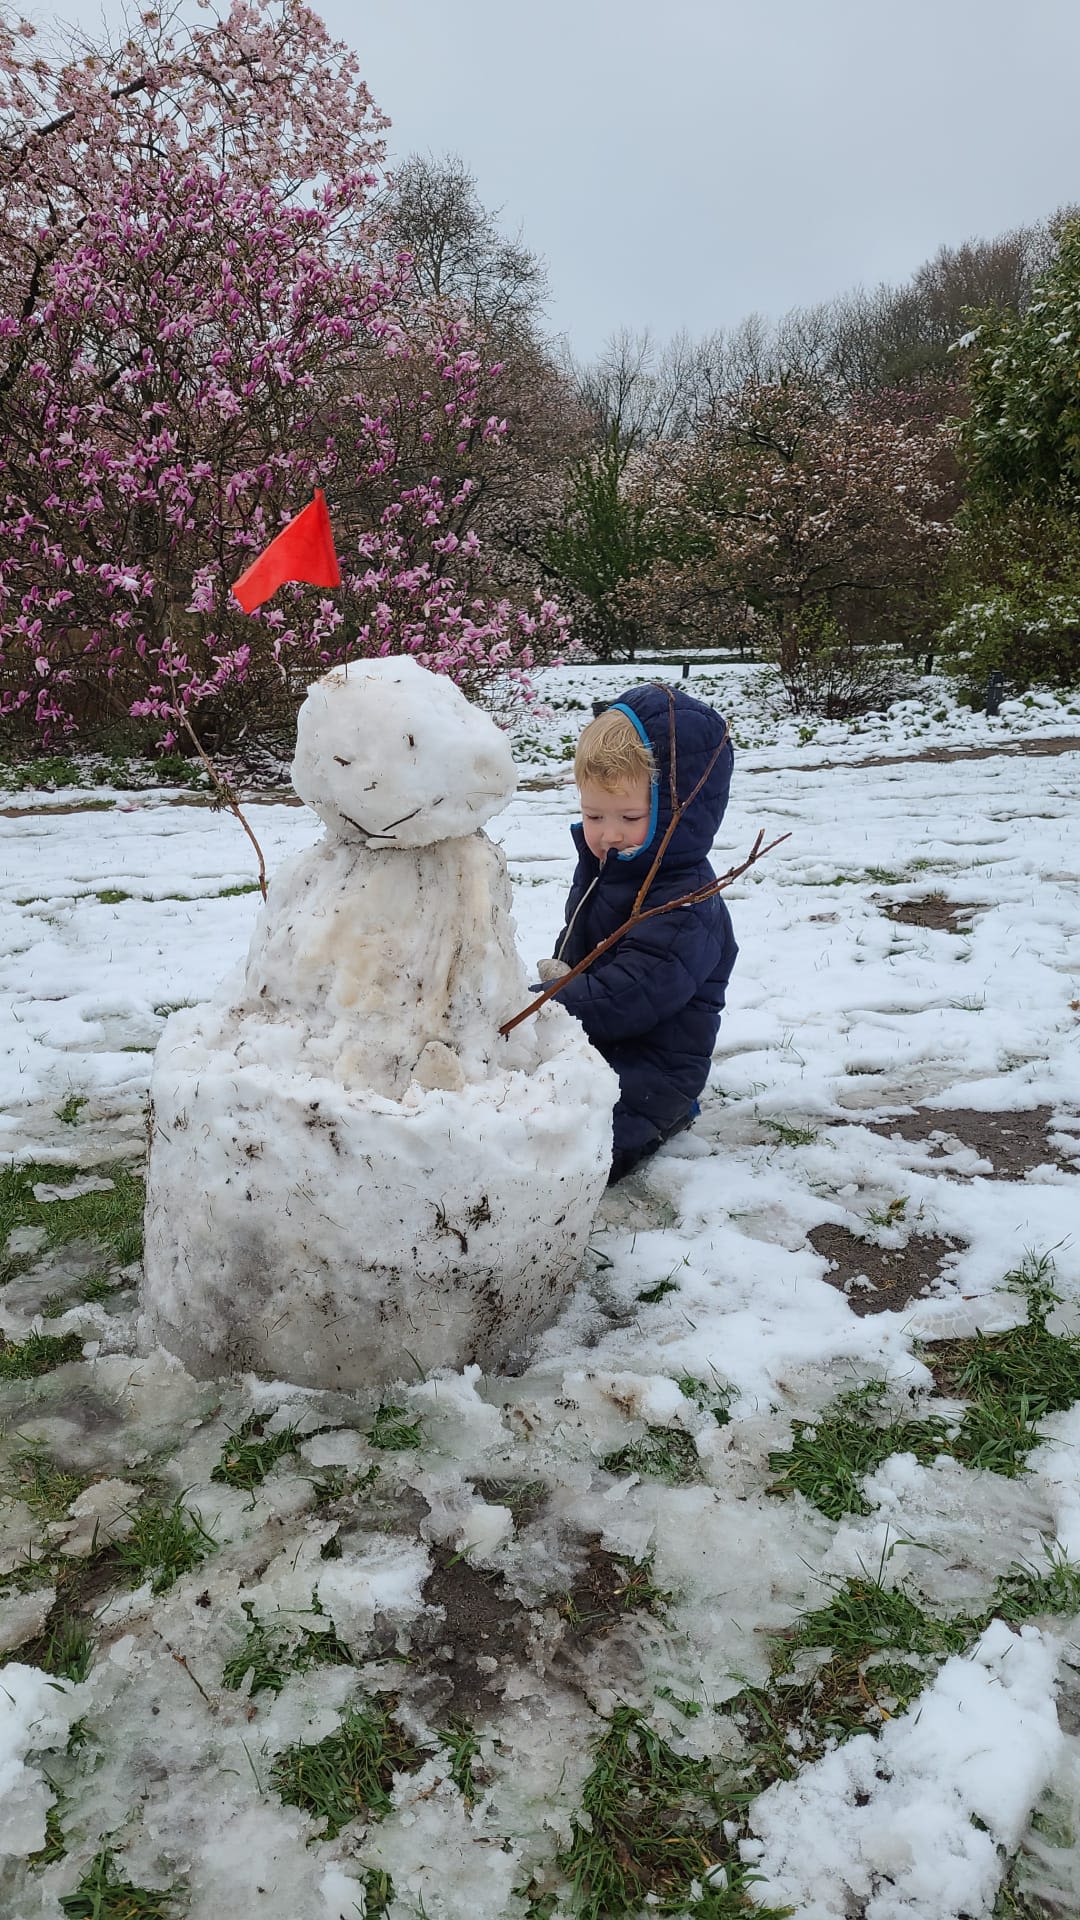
x=650 y=1004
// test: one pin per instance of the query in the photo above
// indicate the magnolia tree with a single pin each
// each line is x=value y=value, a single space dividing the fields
x=810 y=525
x=200 y=320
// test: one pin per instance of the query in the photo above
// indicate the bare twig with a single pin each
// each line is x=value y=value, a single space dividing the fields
x=228 y=796
x=692 y=899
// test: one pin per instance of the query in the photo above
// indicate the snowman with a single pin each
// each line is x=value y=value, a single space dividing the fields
x=352 y=1173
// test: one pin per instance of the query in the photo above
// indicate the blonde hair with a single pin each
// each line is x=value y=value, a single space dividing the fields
x=611 y=753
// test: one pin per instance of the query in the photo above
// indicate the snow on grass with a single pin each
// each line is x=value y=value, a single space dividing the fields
x=591 y=1604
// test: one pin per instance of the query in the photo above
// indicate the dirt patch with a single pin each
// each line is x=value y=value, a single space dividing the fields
x=934 y=910
x=1014 y=1142
x=880 y=1279
x=485 y=1632
x=604 y=1592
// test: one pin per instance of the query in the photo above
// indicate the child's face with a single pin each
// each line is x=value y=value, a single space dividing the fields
x=615 y=819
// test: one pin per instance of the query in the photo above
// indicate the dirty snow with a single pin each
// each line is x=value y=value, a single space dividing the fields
x=841 y=1018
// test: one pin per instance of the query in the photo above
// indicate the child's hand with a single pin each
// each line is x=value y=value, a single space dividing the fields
x=550 y=970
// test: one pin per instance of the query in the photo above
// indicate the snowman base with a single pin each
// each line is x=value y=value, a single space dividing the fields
x=331 y=1238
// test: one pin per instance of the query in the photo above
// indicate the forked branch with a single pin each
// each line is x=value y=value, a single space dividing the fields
x=637 y=918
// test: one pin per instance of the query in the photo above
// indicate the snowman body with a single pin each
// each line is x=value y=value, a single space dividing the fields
x=352 y=1173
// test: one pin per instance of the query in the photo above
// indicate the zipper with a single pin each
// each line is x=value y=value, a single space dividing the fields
x=569 y=928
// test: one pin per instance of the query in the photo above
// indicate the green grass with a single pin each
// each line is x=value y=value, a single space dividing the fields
x=882 y=1650
x=378 y=1892
x=786 y=1135
x=111 y=896
x=111 y=1219
x=102 y=1894
x=97 y=1288
x=863 y=1617
x=1026 y=1591
x=246 y=1460
x=829 y=1456
x=394 y=1433
x=651 y=1825
x=68 y=1113
x=164 y=1543
x=38 y=1353
x=51 y=770
x=461 y=1743
x=1010 y=1381
x=55 y=1845
x=271 y=1654
x=68 y=1653
x=48 y=1490
x=662 y=1453
x=713 y=1396
x=351 y=1772
x=652 y=1295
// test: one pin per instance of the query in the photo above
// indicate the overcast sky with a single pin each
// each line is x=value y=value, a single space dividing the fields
x=682 y=163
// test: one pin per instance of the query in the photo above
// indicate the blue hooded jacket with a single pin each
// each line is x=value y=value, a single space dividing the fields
x=651 y=1004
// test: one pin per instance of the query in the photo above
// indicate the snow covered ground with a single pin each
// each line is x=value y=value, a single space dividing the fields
x=912 y=950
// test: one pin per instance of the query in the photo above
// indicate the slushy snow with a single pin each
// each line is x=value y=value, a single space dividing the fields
x=842 y=1022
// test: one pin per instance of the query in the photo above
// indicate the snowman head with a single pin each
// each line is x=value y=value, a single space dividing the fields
x=389 y=751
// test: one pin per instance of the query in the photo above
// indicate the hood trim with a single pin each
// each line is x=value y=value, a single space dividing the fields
x=619 y=706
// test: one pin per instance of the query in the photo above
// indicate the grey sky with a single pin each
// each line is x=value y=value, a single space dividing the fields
x=681 y=163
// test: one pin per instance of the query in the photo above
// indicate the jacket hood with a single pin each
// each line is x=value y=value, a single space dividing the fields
x=699 y=731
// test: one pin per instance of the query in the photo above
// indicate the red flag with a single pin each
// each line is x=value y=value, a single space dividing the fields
x=304 y=550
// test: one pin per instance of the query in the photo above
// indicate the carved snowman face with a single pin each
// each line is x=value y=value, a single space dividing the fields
x=393 y=752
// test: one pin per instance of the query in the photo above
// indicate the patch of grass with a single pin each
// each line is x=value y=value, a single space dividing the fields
x=174 y=770
x=111 y=1218
x=786 y=1135
x=48 y=1490
x=713 y=1397
x=829 y=1456
x=651 y=1827
x=38 y=1353
x=111 y=896
x=1025 y=1591
x=864 y=1618
x=336 y=1483
x=246 y=1460
x=233 y=893
x=164 y=1543
x=52 y=1306
x=394 y=1433
x=662 y=1453
x=1013 y=1379
x=652 y=1295
x=103 y=1895
x=378 y=1892
x=68 y=1653
x=865 y=1631
x=350 y=1773
x=55 y=1845
x=462 y=1745
x=51 y=770
x=68 y=1113
x=97 y=1288
x=271 y=1654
